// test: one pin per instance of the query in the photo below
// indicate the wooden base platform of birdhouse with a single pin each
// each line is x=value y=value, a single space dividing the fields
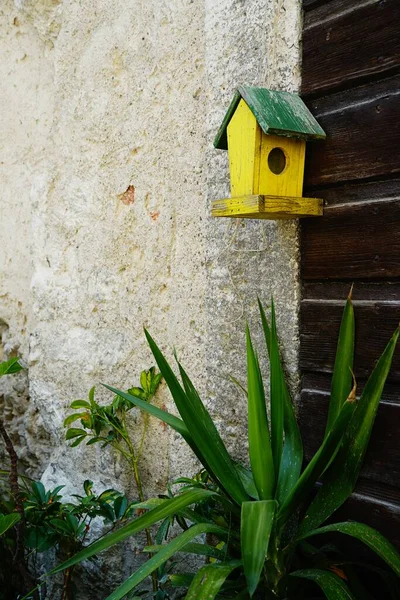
x=267 y=207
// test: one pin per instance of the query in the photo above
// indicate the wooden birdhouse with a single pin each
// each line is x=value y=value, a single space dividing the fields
x=265 y=133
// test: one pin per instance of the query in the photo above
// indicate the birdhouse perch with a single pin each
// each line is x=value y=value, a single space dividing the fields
x=265 y=133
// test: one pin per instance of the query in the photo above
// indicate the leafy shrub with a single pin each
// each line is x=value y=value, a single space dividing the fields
x=34 y=520
x=108 y=425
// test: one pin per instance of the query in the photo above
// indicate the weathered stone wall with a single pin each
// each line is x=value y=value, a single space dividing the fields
x=108 y=109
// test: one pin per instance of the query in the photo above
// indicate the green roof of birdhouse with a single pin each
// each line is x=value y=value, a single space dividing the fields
x=277 y=113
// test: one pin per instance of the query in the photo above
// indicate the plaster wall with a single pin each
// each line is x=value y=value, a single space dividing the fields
x=108 y=109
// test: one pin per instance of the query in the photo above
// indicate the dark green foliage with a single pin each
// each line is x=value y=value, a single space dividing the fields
x=34 y=520
x=50 y=522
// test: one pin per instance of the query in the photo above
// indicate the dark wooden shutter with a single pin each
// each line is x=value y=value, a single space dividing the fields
x=351 y=83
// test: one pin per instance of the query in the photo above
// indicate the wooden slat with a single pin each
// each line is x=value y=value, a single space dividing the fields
x=383 y=516
x=359 y=191
x=375 y=324
x=322 y=382
x=338 y=290
x=353 y=241
x=363 y=134
x=312 y=4
x=382 y=461
x=346 y=42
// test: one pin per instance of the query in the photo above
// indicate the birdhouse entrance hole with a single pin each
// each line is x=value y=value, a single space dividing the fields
x=277 y=161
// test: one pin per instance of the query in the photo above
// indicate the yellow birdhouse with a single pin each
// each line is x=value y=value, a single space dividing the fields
x=265 y=133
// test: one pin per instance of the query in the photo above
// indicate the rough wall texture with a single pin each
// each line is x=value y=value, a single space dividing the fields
x=107 y=170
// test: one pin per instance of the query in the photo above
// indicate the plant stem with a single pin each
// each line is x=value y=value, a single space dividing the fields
x=66 y=584
x=133 y=460
x=146 y=420
x=19 y=555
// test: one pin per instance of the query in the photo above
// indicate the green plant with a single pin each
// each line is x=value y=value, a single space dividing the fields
x=12 y=551
x=108 y=425
x=33 y=520
x=51 y=522
x=259 y=521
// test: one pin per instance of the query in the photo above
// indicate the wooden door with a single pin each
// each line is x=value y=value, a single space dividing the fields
x=351 y=83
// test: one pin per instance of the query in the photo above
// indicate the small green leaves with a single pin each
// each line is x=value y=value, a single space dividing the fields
x=72 y=418
x=88 y=486
x=73 y=433
x=164 y=416
x=332 y=586
x=10 y=367
x=256 y=523
x=259 y=441
x=149 y=380
x=79 y=404
x=105 y=424
x=8 y=521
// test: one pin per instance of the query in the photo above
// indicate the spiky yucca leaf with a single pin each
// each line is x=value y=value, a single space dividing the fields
x=292 y=454
x=340 y=479
x=319 y=462
x=201 y=427
x=332 y=586
x=276 y=396
x=257 y=519
x=343 y=368
x=260 y=451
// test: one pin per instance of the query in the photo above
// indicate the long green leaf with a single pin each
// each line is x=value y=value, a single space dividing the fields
x=8 y=521
x=163 y=415
x=177 y=424
x=247 y=479
x=342 y=372
x=161 y=557
x=320 y=460
x=332 y=586
x=292 y=454
x=216 y=456
x=166 y=509
x=192 y=548
x=276 y=396
x=256 y=524
x=341 y=477
x=372 y=538
x=259 y=441
x=201 y=427
x=209 y=579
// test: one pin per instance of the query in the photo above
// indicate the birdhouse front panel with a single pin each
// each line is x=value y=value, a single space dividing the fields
x=281 y=166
